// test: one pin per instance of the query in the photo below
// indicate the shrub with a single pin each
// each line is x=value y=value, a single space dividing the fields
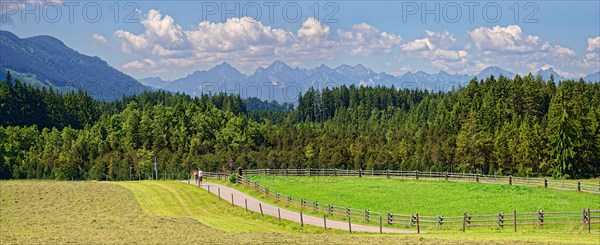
x=233 y=178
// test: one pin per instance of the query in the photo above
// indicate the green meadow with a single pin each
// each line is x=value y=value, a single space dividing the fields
x=428 y=197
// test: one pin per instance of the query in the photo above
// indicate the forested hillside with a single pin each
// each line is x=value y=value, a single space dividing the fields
x=520 y=126
x=53 y=64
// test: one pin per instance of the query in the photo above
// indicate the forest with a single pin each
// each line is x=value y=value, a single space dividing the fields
x=521 y=126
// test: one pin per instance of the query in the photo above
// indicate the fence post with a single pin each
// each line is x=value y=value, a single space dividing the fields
x=464 y=222
x=335 y=172
x=589 y=220
x=578 y=186
x=541 y=217
x=219 y=189
x=360 y=173
x=286 y=172
x=418 y=227
x=477 y=177
x=348 y=212
x=325 y=221
x=510 y=180
x=381 y=225
x=246 y=203
x=515 y=220
x=261 y=211
x=387 y=173
x=446 y=175
x=366 y=215
x=416 y=174
x=437 y=221
x=301 y=220
x=279 y=213
x=441 y=220
x=349 y=225
x=501 y=219
x=389 y=218
x=545 y=183
x=233 y=205
x=208 y=188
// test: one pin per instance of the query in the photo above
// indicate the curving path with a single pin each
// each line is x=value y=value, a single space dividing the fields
x=240 y=199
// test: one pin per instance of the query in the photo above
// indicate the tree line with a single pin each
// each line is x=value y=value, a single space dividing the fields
x=520 y=126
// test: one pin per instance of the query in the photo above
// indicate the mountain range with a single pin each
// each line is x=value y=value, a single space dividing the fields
x=45 y=61
x=281 y=82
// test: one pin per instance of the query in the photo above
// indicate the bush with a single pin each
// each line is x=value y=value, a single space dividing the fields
x=233 y=178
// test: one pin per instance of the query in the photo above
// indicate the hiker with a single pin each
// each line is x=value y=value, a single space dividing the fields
x=196 y=176
x=200 y=175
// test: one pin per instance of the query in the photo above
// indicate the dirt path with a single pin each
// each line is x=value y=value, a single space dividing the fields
x=240 y=199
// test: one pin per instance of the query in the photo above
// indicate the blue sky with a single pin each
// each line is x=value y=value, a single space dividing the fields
x=171 y=39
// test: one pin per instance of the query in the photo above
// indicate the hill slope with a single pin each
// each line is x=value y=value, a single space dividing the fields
x=54 y=64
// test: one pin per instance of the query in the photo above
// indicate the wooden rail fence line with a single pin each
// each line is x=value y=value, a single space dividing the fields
x=447 y=176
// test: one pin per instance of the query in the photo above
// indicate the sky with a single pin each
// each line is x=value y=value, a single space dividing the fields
x=171 y=39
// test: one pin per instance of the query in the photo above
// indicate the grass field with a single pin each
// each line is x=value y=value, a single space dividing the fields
x=428 y=197
x=172 y=199
x=161 y=212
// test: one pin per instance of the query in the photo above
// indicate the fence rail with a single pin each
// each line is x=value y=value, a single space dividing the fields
x=447 y=176
x=585 y=218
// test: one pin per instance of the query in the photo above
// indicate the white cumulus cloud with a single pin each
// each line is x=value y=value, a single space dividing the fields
x=500 y=39
x=236 y=34
x=312 y=28
x=99 y=38
x=365 y=40
x=593 y=44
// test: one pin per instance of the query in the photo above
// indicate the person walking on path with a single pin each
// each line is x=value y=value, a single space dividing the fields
x=200 y=175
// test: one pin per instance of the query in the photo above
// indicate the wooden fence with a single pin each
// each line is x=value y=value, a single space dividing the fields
x=590 y=187
x=586 y=218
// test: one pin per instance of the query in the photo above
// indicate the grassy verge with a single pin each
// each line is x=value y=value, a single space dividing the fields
x=173 y=199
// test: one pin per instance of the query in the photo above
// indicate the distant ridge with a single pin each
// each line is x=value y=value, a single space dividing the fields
x=271 y=82
x=53 y=64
